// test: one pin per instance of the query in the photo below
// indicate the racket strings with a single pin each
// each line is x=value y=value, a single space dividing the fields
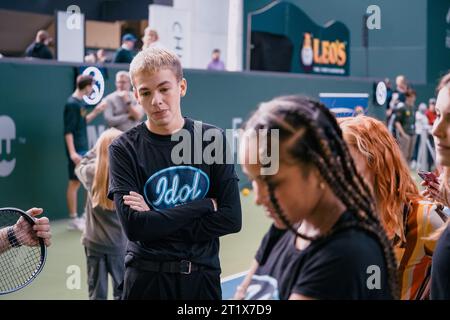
x=19 y=262
x=17 y=268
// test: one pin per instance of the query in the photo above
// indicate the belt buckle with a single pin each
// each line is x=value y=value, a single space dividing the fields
x=185 y=264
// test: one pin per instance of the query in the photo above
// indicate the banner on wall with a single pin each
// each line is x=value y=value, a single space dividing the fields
x=345 y=104
x=317 y=49
x=70 y=29
x=174 y=30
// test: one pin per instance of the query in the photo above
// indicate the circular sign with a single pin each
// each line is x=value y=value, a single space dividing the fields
x=381 y=93
x=98 y=88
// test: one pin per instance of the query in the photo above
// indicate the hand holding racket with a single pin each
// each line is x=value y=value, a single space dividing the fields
x=32 y=233
x=23 y=241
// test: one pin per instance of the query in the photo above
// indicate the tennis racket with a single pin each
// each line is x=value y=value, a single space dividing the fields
x=22 y=254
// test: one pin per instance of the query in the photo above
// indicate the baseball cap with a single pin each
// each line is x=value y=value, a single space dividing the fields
x=432 y=101
x=128 y=37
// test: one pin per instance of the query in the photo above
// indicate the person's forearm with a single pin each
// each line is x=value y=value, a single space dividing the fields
x=69 y=143
x=399 y=128
x=156 y=224
x=248 y=278
x=241 y=290
x=91 y=115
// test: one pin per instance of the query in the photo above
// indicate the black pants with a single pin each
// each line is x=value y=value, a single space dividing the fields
x=149 y=285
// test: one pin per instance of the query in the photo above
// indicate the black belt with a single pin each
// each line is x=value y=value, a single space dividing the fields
x=183 y=266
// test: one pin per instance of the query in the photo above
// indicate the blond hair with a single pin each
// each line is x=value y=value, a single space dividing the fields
x=394 y=185
x=101 y=176
x=154 y=59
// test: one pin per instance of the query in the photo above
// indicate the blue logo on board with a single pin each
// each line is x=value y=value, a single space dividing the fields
x=177 y=185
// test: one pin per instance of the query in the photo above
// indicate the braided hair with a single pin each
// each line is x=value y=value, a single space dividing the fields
x=311 y=135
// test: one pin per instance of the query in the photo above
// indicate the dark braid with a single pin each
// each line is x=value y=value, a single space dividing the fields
x=337 y=173
x=322 y=144
x=346 y=169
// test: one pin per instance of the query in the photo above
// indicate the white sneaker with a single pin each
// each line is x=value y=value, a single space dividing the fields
x=76 y=224
x=82 y=222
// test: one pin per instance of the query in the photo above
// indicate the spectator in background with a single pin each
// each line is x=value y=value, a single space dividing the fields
x=431 y=112
x=405 y=124
x=151 y=39
x=102 y=57
x=125 y=53
x=389 y=91
x=402 y=87
x=399 y=95
x=76 y=142
x=39 y=48
x=431 y=115
x=103 y=237
x=216 y=63
x=90 y=58
x=422 y=134
x=122 y=110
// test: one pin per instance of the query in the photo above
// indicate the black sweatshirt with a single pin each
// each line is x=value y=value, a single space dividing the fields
x=181 y=223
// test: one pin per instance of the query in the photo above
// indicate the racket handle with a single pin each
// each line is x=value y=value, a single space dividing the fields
x=12 y=238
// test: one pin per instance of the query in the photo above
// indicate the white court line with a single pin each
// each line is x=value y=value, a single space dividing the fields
x=234 y=276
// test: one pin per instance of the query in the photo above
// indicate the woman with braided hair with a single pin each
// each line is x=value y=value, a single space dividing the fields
x=407 y=218
x=335 y=246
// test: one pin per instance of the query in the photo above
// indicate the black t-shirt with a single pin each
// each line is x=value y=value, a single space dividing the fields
x=38 y=50
x=264 y=284
x=440 y=268
x=75 y=112
x=406 y=117
x=182 y=223
x=123 y=56
x=337 y=267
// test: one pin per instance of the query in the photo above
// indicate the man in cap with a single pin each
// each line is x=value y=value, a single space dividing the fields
x=125 y=53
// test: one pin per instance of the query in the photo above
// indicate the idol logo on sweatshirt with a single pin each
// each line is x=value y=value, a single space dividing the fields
x=176 y=185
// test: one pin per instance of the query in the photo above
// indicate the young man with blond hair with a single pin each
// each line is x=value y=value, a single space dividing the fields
x=173 y=212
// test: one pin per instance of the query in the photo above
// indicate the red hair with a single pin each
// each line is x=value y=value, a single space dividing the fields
x=393 y=185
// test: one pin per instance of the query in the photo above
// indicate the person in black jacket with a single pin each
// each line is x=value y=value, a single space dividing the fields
x=39 y=48
x=173 y=207
x=125 y=53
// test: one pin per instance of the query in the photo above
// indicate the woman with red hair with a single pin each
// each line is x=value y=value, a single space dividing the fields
x=407 y=218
